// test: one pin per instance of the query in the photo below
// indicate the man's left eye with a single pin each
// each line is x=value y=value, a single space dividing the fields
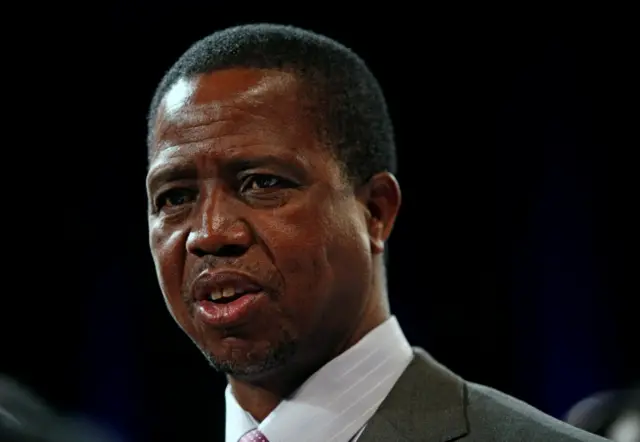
x=262 y=182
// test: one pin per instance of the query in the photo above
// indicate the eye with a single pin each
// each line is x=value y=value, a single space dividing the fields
x=260 y=182
x=174 y=198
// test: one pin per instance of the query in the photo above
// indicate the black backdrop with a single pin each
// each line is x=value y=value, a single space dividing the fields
x=510 y=261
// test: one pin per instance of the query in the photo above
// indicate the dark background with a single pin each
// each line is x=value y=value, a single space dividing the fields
x=510 y=261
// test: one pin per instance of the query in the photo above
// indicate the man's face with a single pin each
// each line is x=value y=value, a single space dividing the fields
x=247 y=206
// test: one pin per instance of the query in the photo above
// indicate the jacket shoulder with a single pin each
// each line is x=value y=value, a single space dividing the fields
x=495 y=416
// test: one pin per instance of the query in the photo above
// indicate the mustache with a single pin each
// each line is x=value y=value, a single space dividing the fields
x=264 y=274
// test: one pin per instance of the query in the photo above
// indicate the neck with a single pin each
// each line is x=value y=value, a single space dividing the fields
x=260 y=397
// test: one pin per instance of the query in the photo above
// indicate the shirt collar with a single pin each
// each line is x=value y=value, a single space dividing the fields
x=337 y=400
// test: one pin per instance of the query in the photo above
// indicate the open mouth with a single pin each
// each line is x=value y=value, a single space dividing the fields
x=225 y=299
x=228 y=295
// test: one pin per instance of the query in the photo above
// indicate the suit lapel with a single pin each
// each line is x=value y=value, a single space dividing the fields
x=426 y=404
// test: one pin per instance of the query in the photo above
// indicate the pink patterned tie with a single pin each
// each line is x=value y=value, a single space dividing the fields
x=254 y=436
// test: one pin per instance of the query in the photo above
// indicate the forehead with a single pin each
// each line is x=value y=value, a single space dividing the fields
x=230 y=86
x=236 y=113
x=230 y=99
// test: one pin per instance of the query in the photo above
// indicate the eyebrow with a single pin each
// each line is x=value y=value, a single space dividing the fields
x=289 y=163
x=181 y=171
x=171 y=172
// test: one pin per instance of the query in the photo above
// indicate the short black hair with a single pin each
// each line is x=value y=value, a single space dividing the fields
x=352 y=110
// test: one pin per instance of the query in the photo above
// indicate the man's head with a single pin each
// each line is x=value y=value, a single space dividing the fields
x=271 y=157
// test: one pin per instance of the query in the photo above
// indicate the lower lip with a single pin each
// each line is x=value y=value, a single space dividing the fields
x=228 y=314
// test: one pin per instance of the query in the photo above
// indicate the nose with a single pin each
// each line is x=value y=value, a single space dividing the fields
x=219 y=230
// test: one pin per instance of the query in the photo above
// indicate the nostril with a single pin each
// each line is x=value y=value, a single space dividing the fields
x=230 y=250
x=226 y=251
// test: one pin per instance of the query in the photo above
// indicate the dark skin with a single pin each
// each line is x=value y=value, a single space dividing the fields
x=238 y=180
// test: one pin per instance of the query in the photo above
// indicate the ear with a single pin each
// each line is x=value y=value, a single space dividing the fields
x=382 y=198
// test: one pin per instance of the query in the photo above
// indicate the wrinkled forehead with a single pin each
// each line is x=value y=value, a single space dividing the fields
x=229 y=95
x=237 y=112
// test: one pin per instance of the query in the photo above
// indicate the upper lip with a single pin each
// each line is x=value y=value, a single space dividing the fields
x=208 y=282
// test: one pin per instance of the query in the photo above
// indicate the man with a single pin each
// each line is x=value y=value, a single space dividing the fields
x=271 y=189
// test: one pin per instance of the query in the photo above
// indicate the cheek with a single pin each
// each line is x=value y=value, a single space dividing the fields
x=349 y=253
x=169 y=252
x=317 y=252
x=298 y=239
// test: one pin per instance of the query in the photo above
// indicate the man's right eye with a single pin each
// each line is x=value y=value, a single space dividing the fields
x=174 y=198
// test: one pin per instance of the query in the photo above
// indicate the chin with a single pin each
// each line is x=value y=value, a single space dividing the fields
x=238 y=358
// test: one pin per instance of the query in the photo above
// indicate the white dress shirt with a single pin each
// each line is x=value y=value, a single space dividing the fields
x=336 y=402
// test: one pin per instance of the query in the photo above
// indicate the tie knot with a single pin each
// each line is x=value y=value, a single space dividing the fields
x=254 y=436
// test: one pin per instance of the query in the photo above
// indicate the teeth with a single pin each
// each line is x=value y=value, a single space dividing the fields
x=227 y=292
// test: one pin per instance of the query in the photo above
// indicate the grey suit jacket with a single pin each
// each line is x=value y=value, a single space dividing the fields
x=431 y=404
